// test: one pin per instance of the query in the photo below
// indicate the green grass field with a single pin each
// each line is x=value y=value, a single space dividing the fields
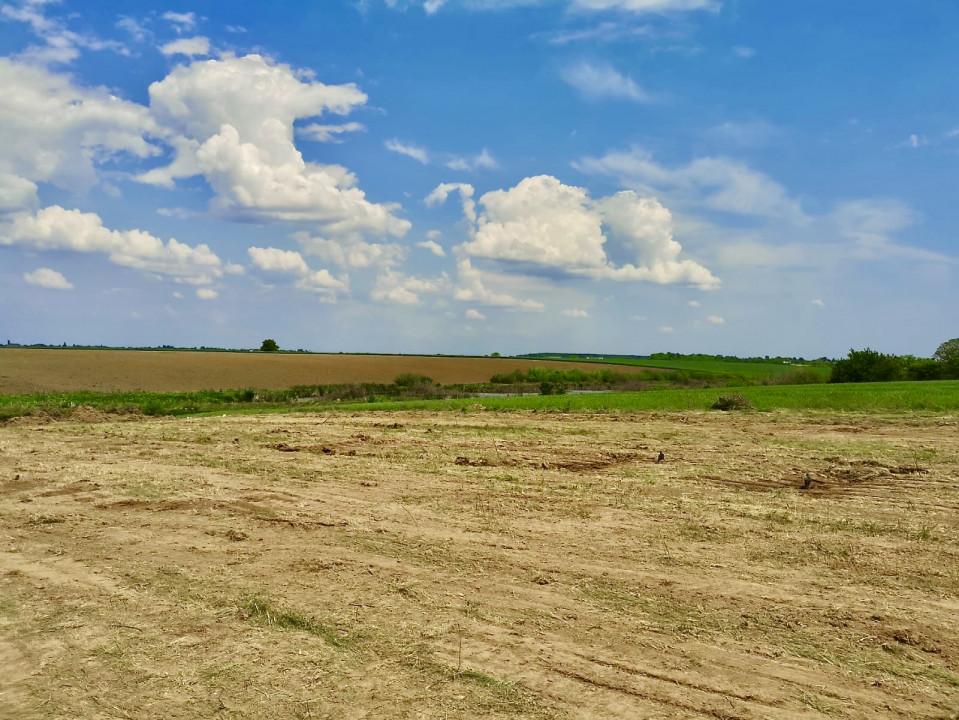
x=931 y=397
x=926 y=397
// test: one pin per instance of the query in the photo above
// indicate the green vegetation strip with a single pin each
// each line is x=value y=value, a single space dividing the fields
x=934 y=397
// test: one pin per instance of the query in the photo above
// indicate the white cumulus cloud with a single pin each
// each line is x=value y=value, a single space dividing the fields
x=575 y=313
x=231 y=121
x=545 y=223
x=395 y=287
x=47 y=278
x=290 y=262
x=54 y=228
x=473 y=314
x=52 y=130
x=716 y=320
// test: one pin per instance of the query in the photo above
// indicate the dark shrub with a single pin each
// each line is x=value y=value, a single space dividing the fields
x=733 y=401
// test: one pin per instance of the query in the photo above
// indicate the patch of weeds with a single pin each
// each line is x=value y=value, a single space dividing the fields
x=108 y=651
x=698 y=532
x=811 y=700
x=471 y=609
x=263 y=612
x=925 y=534
x=211 y=674
x=780 y=517
x=38 y=520
x=502 y=688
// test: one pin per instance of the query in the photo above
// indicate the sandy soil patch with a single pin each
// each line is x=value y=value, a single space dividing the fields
x=480 y=565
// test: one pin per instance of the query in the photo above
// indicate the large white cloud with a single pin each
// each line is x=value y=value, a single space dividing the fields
x=231 y=121
x=54 y=228
x=544 y=223
x=53 y=131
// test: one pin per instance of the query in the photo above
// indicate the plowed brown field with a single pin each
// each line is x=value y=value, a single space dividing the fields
x=480 y=565
x=26 y=371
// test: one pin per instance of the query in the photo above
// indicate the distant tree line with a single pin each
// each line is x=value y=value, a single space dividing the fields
x=871 y=366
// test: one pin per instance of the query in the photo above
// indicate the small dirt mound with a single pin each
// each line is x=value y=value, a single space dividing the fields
x=733 y=401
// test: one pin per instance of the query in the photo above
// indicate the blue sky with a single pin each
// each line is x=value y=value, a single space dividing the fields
x=470 y=176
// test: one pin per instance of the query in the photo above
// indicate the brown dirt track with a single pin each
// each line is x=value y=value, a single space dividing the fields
x=27 y=371
x=480 y=565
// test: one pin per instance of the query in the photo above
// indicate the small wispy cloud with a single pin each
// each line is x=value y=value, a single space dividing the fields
x=409 y=149
x=661 y=7
x=475 y=314
x=716 y=320
x=433 y=246
x=575 y=313
x=187 y=46
x=741 y=51
x=47 y=278
x=329 y=133
x=818 y=303
x=483 y=160
x=180 y=21
x=603 y=81
x=914 y=141
x=666 y=330
x=606 y=32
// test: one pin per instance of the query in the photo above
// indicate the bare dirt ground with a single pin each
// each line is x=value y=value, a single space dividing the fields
x=480 y=565
x=26 y=371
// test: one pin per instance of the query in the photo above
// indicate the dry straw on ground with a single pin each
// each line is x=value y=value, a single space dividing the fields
x=480 y=565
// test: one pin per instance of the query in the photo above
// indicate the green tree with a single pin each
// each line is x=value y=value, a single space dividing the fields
x=867 y=366
x=269 y=345
x=948 y=355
